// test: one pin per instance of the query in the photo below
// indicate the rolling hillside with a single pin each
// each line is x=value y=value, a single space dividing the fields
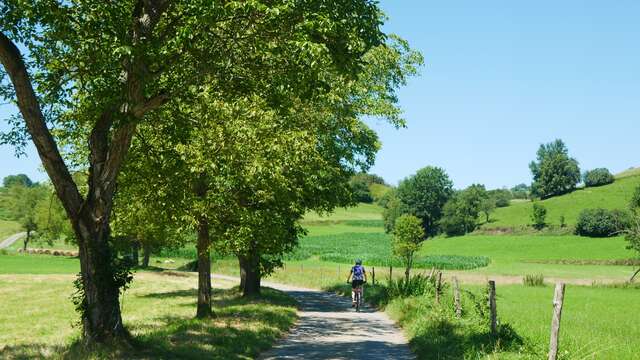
x=613 y=196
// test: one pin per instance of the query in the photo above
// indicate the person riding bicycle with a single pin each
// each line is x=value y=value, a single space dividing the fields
x=358 y=275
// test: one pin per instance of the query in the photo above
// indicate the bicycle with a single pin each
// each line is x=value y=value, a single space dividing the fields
x=358 y=296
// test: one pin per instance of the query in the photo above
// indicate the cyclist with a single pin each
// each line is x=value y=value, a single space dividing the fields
x=358 y=275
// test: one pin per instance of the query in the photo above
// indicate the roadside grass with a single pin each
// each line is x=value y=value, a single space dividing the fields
x=612 y=196
x=521 y=254
x=8 y=228
x=159 y=309
x=593 y=326
x=597 y=322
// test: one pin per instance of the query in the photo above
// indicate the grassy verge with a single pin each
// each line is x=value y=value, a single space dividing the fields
x=37 y=318
x=37 y=315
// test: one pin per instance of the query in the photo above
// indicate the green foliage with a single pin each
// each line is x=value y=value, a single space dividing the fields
x=379 y=191
x=394 y=208
x=538 y=216
x=634 y=204
x=460 y=213
x=20 y=179
x=408 y=234
x=501 y=197
x=598 y=177
x=360 y=190
x=612 y=196
x=416 y=285
x=424 y=195
x=554 y=172
x=602 y=222
x=533 y=280
x=521 y=191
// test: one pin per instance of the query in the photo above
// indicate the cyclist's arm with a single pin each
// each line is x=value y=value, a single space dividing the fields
x=350 y=273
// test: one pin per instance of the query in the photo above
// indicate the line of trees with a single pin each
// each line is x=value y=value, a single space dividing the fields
x=229 y=120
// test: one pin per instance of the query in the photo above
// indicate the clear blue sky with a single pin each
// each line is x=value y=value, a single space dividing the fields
x=500 y=78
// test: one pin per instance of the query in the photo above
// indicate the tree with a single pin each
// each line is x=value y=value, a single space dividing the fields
x=460 y=213
x=393 y=209
x=632 y=233
x=408 y=234
x=424 y=194
x=102 y=69
x=360 y=190
x=51 y=220
x=521 y=191
x=554 y=172
x=20 y=179
x=24 y=201
x=598 y=177
x=487 y=206
x=501 y=197
x=538 y=216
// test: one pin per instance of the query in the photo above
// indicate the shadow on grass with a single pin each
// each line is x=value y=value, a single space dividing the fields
x=242 y=328
x=375 y=295
x=451 y=339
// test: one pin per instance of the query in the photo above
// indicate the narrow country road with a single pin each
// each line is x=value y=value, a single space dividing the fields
x=11 y=239
x=329 y=328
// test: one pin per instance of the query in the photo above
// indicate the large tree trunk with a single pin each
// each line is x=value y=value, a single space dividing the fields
x=250 y=276
x=102 y=320
x=146 y=254
x=204 y=270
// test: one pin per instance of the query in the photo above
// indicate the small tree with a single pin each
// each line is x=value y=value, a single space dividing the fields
x=598 y=177
x=24 y=200
x=408 y=234
x=554 y=172
x=487 y=206
x=539 y=216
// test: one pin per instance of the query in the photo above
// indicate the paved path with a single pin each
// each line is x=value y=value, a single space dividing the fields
x=11 y=239
x=328 y=328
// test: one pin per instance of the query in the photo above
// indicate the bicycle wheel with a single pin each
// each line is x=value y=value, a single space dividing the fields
x=358 y=299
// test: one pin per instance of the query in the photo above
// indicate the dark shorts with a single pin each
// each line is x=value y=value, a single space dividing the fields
x=356 y=283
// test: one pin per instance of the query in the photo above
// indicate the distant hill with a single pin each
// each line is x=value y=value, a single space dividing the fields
x=613 y=196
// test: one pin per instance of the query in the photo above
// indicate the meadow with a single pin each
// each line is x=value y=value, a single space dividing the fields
x=38 y=319
x=612 y=196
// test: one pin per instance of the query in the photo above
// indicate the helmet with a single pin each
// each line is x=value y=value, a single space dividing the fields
x=358 y=262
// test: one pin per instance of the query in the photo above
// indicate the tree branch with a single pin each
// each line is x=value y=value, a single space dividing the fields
x=29 y=107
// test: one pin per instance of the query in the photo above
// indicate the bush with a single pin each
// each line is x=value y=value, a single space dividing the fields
x=602 y=222
x=417 y=285
x=533 y=280
x=539 y=216
x=502 y=197
x=598 y=177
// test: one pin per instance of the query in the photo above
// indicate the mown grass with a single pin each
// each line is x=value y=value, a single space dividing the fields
x=613 y=196
x=37 y=318
x=359 y=212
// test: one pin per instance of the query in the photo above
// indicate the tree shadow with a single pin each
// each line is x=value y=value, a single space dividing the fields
x=241 y=329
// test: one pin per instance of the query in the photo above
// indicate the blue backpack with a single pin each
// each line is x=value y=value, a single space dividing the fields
x=358 y=272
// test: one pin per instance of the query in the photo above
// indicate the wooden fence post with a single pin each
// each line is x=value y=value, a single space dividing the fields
x=456 y=297
x=492 y=307
x=438 y=287
x=558 y=298
x=390 y=273
x=373 y=276
x=433 y=269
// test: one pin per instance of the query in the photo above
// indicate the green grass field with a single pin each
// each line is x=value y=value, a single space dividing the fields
x=593 y=326
x=37 y=315
x=613 y=196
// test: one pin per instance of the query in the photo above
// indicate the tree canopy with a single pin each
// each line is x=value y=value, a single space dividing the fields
x=554 y=172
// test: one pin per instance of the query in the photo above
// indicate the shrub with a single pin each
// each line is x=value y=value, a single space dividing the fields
x=598 y=177
x=602 y=222
x=538 y=216
x=533 y=280
x=502 y=197
x=417 y=285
